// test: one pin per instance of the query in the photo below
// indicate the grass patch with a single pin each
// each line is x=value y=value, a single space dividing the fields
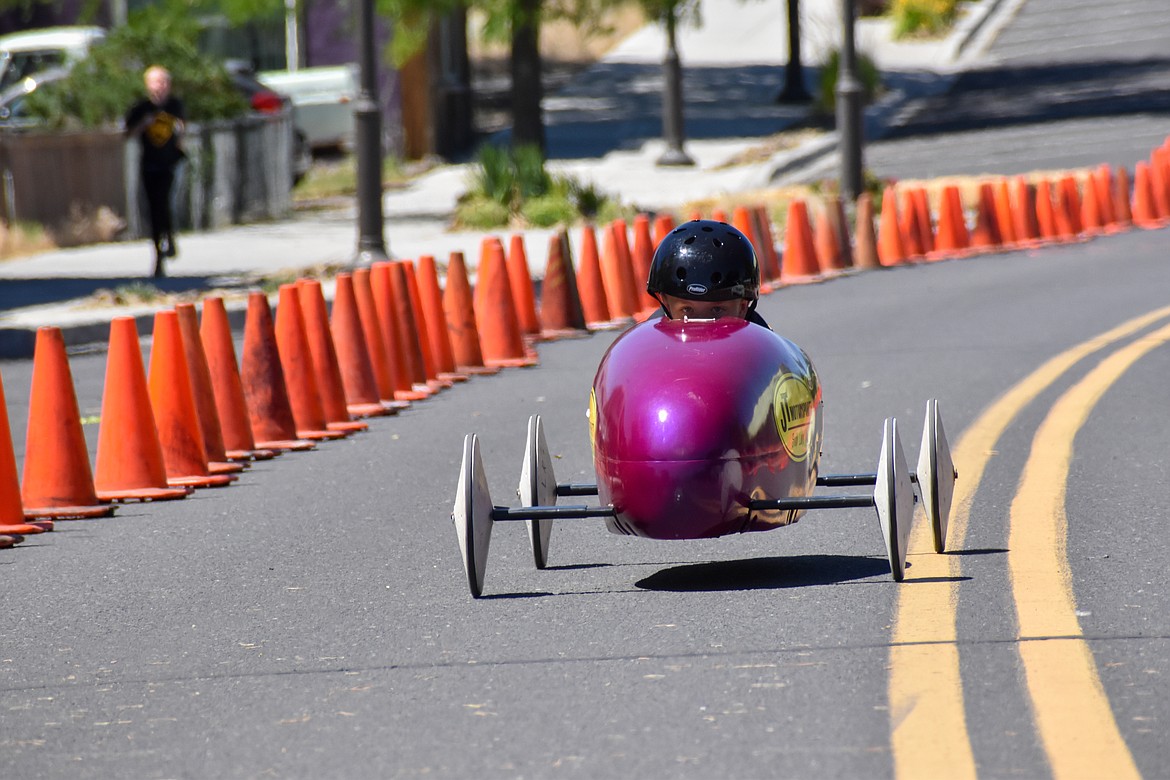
x=22 y=239
x=336 y=177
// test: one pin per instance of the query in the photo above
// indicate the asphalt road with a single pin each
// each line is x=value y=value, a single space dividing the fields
x=313 y=620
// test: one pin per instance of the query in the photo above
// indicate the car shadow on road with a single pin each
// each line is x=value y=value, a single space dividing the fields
x=765 y=573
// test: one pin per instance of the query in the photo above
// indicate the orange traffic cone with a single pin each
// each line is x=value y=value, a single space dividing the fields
x=296 y=363
x=827 y=247
x=800 y=254
x=438 y=337
x=560 y=305
x=232 y=409
x=57 y=481
x=200 y=375
x=353 y=354
x=459 y=311
x=385 y=375
x=891 y=248
x=590 y=284
x=1103 y=182
x=323 y=353
x=1092 y=213
x=410 y=335
x=663 y=224
x=520 y=279
x=129 y=463
x=865 y=252
x=619 y=298
x=920 y=202
x=430 y=365
x=419 y=321
x=719 y=215
x=1145 y=207
x=12 y=521
x=985 y=235
x=951 y=238
x=175 y=416
x=840 y=224
x=770 y=262
x=908 y=223
x=1046 y=212
x=1068 y=209
x=1160 y=180
x=1120 y=194
x=642 y=254
x=742 y=221
x=1025 y=222
x=1004 y=217
x=269 y=408
x=630 y=281
x=375 y=291
x=495 y=314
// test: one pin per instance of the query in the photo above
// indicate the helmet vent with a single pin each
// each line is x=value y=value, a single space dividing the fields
x=689 y=240
x=681 y=273
x=716 y=278
x=717 y=242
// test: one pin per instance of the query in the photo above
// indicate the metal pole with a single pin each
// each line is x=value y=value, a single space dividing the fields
x=849 y=92
x=672 y=100
x=367 y=122
x=794 y=90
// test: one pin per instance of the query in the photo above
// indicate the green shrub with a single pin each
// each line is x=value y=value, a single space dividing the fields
x=549 y=210
x=481 y=213
x=825 y=101
x=510 y=183
x=922 y=17
x=532 y=180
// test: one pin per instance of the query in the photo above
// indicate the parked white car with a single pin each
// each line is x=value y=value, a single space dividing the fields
x=26 y=54
x=323 y=97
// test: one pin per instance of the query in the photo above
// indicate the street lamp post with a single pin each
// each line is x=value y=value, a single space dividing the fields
x=849 y=92
x=672 y=100
x=367 y=122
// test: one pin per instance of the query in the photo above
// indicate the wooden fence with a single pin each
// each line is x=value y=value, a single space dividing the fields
x=84 y=187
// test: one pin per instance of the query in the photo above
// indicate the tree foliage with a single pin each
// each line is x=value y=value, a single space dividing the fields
x=99 y=89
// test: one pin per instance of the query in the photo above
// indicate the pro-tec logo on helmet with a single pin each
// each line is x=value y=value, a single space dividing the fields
x=697 y=289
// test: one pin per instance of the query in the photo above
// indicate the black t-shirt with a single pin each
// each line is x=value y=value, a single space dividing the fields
x=159 y=134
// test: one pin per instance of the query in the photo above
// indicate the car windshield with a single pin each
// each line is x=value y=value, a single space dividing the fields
x=17 y=66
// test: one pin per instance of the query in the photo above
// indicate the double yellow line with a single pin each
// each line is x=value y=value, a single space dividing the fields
x=928 y=722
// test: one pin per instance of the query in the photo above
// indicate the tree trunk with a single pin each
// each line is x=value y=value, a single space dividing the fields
x=527 y=91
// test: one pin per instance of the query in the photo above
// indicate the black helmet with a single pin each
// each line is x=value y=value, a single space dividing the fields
x=705 y=260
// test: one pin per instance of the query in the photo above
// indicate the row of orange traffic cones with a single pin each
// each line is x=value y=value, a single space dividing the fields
x=1008 y=214
x=198 y=416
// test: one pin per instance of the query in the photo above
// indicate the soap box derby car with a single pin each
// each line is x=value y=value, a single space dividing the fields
x=703 y=428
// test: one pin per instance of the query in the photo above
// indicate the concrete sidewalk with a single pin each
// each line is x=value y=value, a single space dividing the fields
x=603 y=128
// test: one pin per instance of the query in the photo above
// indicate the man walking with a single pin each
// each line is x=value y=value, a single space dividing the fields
x=158 y=121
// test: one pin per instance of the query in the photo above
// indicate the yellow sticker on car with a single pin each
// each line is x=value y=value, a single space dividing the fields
x=793 y=410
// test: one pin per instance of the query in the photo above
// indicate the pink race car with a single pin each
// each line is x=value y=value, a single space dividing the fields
x=704 y=428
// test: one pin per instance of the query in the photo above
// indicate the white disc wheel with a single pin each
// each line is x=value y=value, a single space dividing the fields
x=893 y=498
x=473 y=515
x=538 y=487
x=936 y=475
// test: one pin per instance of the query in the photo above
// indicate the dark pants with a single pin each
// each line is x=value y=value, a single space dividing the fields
x=158 y=197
